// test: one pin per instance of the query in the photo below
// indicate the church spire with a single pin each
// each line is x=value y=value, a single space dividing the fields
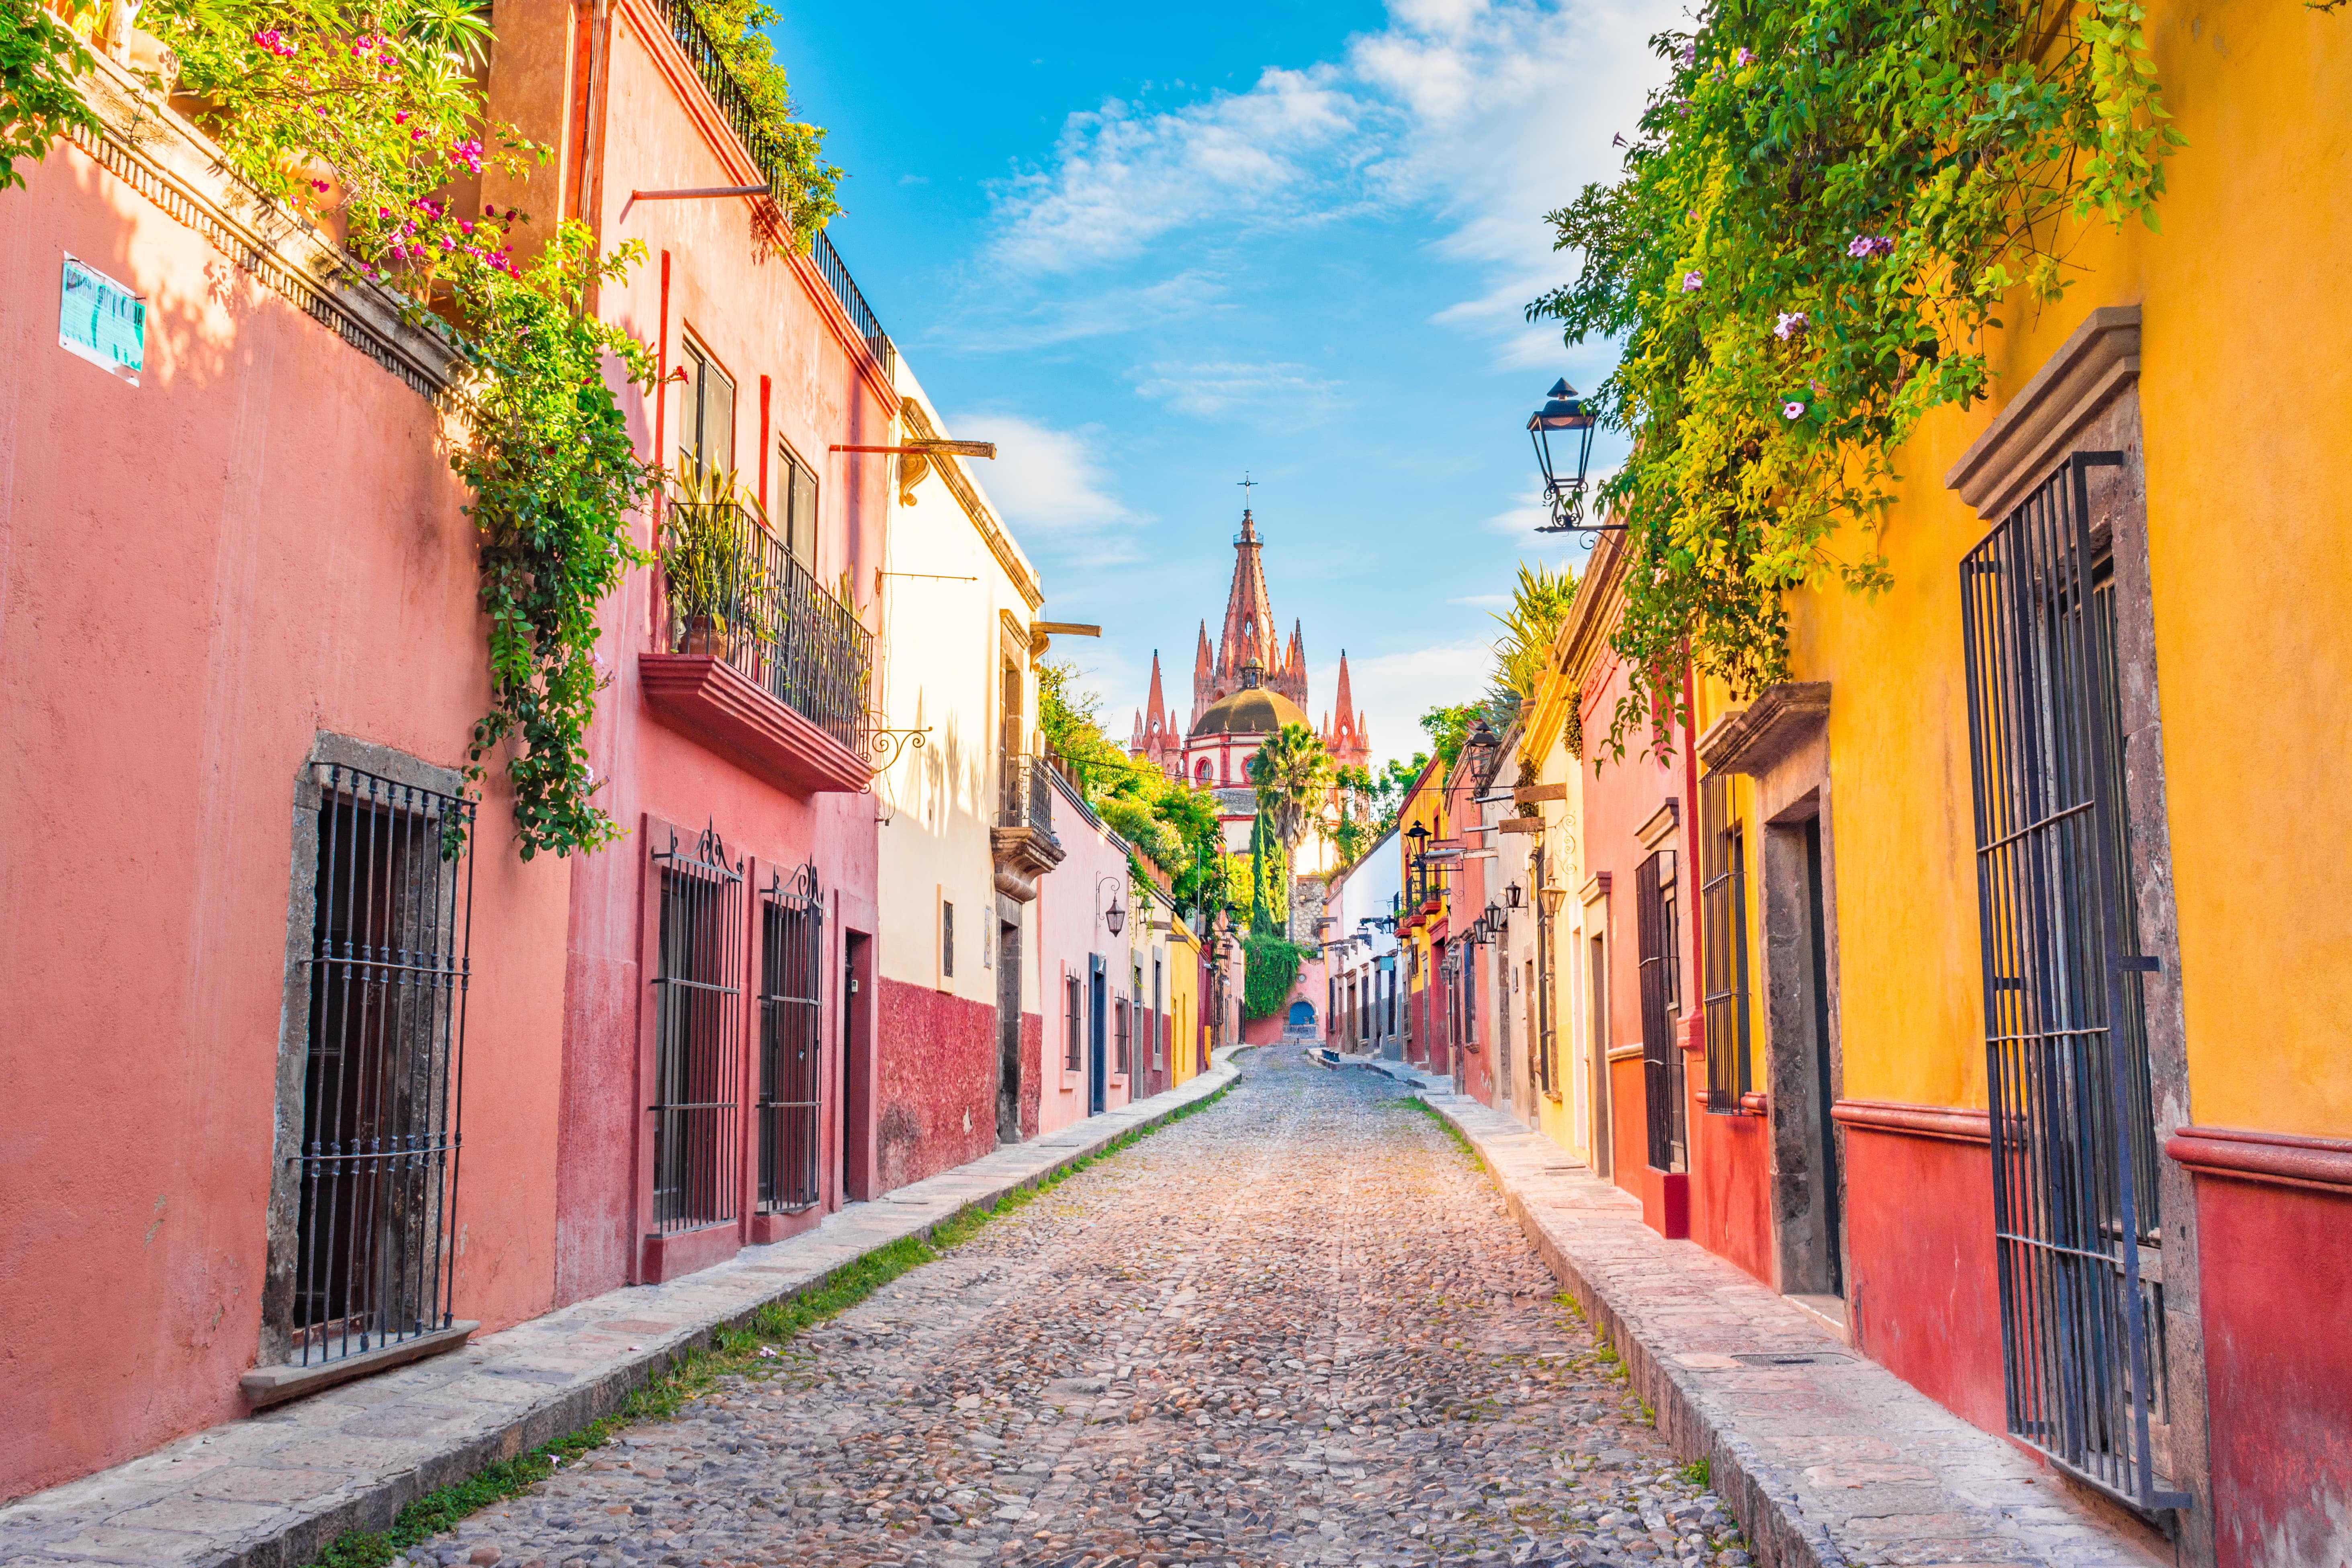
x=1157 y=703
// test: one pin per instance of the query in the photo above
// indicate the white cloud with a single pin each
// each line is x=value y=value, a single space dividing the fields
x=1485 y=113
x=1482 y=600
x=1394 y=690
x=1043 y=478
x=1289 y=393
x=1121 y=178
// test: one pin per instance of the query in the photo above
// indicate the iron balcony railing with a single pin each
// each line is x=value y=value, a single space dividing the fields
x=1026 y=799
x=736 y=593
x=774 y=160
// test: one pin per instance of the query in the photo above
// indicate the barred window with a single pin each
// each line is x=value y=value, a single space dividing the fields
x=376 y=1222
x=1122 y=1030
x=792 y=963
x=1723 y=924
x=1074 y=1056
x=947 y=938
x=697 y=988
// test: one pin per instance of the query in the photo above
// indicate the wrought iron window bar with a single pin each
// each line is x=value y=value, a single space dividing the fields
x=735 y=593
x=383 y=1070
x=790 y=1099
x=2074 y=1212
x=697 y=988
x=1662 y=1057
x=1723 y=947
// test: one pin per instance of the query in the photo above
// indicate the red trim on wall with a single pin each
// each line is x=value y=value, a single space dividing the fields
x=1958 y=1125
x=718 y=705
x=2283 y=1158
x=766 y=387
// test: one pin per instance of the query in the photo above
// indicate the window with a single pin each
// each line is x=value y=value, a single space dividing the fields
x=1122 y=1033
x=705 y=413
x=697 y=1027
x=795 y=518
x=791 y=958
x=1202 y=772
x=374 y=1232
x=2064 y=1017
x=1723 y=947
x=1158 y=995
x=1073 y=1058
x=947 y=940
x=1662 y=1057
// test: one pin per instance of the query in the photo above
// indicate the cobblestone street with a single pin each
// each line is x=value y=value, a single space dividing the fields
x=1298 y=1328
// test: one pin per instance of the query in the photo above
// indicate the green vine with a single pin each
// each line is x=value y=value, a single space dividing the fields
x=1269 y=969
x=1821 y=214
x=368 y=115
x=41 y=58
x=555 y=479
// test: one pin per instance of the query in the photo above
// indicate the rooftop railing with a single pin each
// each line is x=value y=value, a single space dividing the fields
x=775 y=163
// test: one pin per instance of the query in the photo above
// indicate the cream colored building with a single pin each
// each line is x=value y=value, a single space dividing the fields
x=959 y=846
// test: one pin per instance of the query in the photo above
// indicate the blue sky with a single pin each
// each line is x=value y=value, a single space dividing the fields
x=1146 y=250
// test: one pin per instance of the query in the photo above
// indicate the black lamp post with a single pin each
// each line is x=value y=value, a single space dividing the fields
x=1567 y=414
x=1494 y=916
x=1482 y=745
x=1512 y=893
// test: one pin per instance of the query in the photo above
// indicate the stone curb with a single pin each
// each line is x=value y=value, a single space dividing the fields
x=1787 y=1508
x=85 y=1521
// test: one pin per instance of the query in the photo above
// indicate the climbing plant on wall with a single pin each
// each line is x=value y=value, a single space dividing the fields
x=1819 y=216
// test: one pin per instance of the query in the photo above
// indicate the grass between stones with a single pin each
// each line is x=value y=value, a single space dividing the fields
x=1450 y=1129
x=695 y=1373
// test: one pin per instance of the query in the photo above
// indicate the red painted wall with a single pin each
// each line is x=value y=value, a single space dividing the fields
x=259 y=542
x=1730 y=1186
x=2276 y=1274
x=1033 y=1070
x=935 y=1092
x=759 y=313
x=1924 y=1299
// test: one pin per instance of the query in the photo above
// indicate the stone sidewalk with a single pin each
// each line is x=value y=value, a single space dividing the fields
x=1826 y=1458
x=272 y=1490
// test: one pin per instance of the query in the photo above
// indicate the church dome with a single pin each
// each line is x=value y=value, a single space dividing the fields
x=1253 y=711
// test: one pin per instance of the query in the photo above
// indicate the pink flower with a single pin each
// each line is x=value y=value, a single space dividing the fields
x=1792 y=411
x=318 y=184
x=1791 y=323
x=1745 y=58
x=1693 y=281
x=1865 y=245
x=1689 y=53
x=401 y=118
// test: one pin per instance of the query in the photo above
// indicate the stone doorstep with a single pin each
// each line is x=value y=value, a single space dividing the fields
x=383 y=1442
x=1673 y=1313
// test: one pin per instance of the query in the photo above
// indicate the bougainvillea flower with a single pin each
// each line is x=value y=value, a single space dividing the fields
x=1791 y=323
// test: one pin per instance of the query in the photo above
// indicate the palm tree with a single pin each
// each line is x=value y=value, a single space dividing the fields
x=1293 y=774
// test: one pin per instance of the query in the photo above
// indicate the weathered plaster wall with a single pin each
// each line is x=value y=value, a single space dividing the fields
x=935 y=1091
x=198 y=575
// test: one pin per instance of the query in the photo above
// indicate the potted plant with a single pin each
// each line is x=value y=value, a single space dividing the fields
x=711 y=564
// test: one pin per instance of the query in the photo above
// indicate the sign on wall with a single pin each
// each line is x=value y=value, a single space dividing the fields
x=103 y=322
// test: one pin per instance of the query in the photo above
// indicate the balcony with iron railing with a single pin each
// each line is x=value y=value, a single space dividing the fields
x=1022 y=840
x=751 y=656
x=775 y=162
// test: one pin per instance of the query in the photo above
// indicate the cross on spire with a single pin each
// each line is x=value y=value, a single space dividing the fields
x=1246 y=483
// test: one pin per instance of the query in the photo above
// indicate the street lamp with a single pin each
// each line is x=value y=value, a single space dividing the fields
x=1482 y=745
x=1114 y=917
x=1564 y=488
x=1495 y=915
x=1512 y=893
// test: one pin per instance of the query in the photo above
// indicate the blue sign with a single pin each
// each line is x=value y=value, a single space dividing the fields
x=103 y=322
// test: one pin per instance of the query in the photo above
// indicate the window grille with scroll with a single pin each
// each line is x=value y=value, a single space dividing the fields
x=2078 y=1236
x=384 y=1066
x=1723 y=947
x=698 y=989
x=791 y=961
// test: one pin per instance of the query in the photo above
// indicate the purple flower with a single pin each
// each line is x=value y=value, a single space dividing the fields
x=1792 y=411
x=1690 y=52
x=1745 y=58
x=1791 y=323
x=1692 y=282
x=1865 y=245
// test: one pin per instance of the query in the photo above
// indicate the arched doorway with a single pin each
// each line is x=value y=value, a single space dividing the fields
x=1302 y=1015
